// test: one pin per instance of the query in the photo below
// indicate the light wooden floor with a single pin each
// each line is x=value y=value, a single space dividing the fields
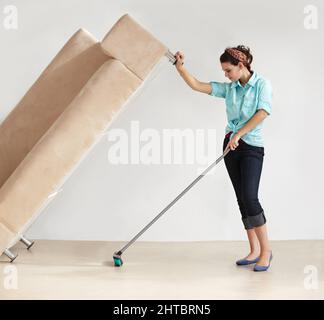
x=162 y=270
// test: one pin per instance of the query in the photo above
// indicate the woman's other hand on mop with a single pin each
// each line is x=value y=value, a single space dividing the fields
x=234 y=142
x=180 y=59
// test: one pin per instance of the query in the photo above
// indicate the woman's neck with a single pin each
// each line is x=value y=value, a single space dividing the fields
x=245 y=77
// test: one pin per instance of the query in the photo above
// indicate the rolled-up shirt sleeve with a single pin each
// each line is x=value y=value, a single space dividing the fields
x=219 y=89
x=265 y=97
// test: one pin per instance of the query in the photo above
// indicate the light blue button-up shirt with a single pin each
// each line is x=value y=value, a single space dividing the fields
x=243 y=102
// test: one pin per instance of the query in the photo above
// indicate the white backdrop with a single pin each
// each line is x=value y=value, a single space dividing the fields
x=102 y=201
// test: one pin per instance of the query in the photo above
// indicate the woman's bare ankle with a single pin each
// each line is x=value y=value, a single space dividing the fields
x=252 y=255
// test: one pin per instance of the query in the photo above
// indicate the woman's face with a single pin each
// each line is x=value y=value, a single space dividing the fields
x=232 y=72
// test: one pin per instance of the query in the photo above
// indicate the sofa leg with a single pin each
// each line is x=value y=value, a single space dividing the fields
x=27 y=242
x=10 y=255
x=171 y=57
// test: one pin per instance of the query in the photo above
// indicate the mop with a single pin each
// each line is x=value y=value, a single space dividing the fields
x=118 y=262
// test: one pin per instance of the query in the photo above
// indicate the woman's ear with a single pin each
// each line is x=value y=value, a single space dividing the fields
x=241 y=65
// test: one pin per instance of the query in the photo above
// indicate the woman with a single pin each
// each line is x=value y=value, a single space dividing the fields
x=248 y=103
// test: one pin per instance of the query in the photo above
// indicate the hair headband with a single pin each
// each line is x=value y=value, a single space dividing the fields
x=237 y=54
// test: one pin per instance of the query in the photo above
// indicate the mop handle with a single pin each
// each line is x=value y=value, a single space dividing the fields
x=175 y=200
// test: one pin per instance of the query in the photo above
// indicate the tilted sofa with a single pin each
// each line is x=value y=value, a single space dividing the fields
x=63 y=114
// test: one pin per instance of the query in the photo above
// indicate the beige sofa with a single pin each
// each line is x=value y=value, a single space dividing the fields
x=63 y=114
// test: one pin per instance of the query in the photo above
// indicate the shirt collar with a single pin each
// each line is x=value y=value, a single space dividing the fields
x=251 y=81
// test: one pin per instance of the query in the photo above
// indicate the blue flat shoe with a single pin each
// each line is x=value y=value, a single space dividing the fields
x=245 y=262
x=263 y=268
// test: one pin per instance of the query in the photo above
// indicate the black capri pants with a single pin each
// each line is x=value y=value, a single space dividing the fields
x=244 y=166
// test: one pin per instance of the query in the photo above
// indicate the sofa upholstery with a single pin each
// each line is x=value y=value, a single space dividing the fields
x=64 y=113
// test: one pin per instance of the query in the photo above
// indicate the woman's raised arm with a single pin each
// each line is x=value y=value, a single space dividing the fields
x=192 y=82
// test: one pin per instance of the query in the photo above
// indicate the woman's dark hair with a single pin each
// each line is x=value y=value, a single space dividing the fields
x=226 y=57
